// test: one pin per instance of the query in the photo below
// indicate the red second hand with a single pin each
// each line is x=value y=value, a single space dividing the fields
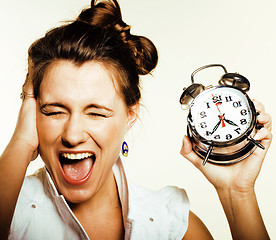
x=221 y=115
x=223 y=123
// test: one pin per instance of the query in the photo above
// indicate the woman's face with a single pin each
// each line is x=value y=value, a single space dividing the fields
x=81 y=122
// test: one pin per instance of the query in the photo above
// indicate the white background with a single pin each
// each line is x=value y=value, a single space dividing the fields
x=240 y=34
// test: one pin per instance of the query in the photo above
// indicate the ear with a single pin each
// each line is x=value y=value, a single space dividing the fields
x=133 y=115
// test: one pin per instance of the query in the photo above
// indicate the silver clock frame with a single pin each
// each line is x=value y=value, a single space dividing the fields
x=221 y=152
x=224 y=152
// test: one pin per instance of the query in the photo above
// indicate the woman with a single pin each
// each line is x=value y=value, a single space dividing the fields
x=80 y=97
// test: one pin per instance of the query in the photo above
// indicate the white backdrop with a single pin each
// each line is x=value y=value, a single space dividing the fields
x=240 y=34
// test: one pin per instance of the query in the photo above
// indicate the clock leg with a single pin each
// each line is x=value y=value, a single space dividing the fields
x=255 y=142
x=207 y=155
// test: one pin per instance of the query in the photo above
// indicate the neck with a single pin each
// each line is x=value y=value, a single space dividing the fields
x=106 y=197
x=103 y=209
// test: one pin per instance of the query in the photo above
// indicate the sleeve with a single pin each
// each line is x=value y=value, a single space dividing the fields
x=25 y=219
x=178 y=207
x=22 y=214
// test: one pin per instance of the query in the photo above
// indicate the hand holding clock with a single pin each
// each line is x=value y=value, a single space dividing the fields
x=240 y=175
x=235 y=183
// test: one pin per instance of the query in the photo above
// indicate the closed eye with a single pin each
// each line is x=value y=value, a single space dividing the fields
x=94 y=114
x=53 y=109
x=52 y=113
x=98 y=111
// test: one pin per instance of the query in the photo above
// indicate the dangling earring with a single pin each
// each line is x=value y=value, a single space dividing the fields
x=124 y=149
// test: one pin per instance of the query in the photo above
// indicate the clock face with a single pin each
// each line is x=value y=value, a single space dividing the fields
x=221 y=114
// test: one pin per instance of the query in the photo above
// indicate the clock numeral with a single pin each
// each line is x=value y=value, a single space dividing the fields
x=203 y=114
x=243 y=121
x=203 y=125
x=217 y=137
x=237 y=130
x=228 y=98
x=228 y=136
x=217 y=99
x=208 y=105
x=244 y=112
x=208 y=133
x=237 y=104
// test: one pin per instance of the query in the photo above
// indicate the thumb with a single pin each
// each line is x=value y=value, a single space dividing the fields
x=186 y=146
x=187 y=152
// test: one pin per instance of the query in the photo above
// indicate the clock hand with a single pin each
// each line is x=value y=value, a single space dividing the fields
x=216 y=127
x=230 y=122
x=222 y=119
x=221 y=115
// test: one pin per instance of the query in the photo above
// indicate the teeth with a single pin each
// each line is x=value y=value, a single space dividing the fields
x=77 y=156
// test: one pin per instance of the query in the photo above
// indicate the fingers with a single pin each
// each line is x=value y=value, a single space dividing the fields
x=265 y=120
x=26 y=124
x=265 y=136
x=259 y=106
x=27 y=89
x=25 y=95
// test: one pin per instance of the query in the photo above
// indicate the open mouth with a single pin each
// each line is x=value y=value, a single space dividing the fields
x=76 y=168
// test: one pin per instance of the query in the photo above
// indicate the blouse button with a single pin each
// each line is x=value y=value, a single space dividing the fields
x=33 y=206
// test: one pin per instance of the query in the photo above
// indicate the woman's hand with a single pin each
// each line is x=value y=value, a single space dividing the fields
x=235 y=183
x=241 y=176
x=15 y=159
x=25 y=131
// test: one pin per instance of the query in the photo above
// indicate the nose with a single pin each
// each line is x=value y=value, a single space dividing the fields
x=74 y=132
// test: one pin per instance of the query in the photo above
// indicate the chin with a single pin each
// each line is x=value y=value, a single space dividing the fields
x=77 y=196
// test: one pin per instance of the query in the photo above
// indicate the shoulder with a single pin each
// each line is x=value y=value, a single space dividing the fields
x=33 y=203
x=32 y=194
x=197 y=229
x=34 y=182
x=166 y=210
x=174 y=195
x=166 y=194
x=170 y=197
x=32 y=189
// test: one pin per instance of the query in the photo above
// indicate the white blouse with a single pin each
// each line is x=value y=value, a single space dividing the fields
x=42 y=213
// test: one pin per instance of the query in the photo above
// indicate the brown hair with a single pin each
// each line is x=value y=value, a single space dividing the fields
x=98 y=34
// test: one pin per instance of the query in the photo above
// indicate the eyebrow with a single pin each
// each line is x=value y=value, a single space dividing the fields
x=98 y=106
x=54 y=104
x=92 y=105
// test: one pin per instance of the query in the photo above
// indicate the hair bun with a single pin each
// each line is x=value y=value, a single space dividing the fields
x=102 y=14
x=107 y=14
x=143 y=50
x=144 y=53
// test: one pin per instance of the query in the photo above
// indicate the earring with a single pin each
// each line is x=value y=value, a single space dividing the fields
x=125 y=149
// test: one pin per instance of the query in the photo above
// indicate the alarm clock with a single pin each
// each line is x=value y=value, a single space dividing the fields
x=222 y=119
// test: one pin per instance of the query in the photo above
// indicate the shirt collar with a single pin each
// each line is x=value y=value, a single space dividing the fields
x=122 y=186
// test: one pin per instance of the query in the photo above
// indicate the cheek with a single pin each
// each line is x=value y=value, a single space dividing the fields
x=110 y=135
x=41 y=129
x=47 y=129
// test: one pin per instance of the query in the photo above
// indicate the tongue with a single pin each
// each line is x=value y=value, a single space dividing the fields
x=77 y=169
